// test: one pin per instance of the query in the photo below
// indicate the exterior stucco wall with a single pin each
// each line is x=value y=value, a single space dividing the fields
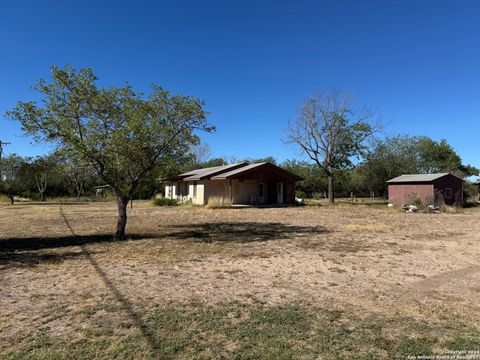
x=244 y=191
x=172 y=192
x=216 y=188
x=401 y=194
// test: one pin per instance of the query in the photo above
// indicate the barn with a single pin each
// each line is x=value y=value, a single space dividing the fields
x=431 y=189
x=240 y=184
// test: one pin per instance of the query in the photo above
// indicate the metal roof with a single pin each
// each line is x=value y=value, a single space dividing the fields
x=237 y=171
x=198 y=174
x=417 y=178
x=243 y=169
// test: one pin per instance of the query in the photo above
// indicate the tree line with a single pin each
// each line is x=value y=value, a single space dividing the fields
x=126 y=140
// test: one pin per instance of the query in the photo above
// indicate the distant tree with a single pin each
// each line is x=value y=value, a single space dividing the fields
x=269 y=159
x=214 y=162
x=330 y=132
x=315 y=180
x=10 y=179
x=41 y=169
x=76 y=172
x=403 y=154
x=125 y=136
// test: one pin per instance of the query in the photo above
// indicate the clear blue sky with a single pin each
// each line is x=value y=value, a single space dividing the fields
x=416 y=61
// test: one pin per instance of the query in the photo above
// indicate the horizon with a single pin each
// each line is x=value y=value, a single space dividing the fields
x=253 y=64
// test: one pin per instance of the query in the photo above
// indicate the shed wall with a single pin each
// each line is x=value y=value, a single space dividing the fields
x=401 y=194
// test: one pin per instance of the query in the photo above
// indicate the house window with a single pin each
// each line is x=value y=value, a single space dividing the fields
x=448 y=193
x=194 y=189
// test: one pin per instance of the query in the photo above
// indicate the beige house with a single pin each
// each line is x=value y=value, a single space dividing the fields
x=242 y=183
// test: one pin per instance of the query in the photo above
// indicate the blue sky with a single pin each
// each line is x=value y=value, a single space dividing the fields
x=415 y=62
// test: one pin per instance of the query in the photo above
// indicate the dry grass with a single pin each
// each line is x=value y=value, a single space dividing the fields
x=195 y=282
x=217 y=202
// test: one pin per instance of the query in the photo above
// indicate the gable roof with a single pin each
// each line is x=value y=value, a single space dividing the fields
x=414 y=178
x=199 y=174
x=251 y=167
x=228 y=171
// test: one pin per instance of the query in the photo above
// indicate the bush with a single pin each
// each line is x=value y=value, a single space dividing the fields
x=216 y=202
x=164 y=202
x=415 y=200
x=450 y=209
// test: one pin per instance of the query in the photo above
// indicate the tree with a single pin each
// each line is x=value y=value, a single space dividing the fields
x=403 y=154
x=10 y=179
x=125 y=136
x=41 y=168
x=328 y=130
x=76 y=172
x=314 y=182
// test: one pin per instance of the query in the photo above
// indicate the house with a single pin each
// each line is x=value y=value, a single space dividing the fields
x=241 y=183
x=431 y=189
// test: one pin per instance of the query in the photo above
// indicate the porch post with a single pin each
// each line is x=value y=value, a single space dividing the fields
x=230 y=191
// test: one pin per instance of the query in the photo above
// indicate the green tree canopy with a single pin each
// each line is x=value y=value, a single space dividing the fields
x=330 y=132
x=124 y=135
x=10 y=176
x=403 y=154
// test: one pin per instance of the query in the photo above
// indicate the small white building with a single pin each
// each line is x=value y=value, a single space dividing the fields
x=241 y=183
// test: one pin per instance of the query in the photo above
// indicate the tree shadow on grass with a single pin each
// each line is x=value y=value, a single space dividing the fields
x=14 y=259
x=243 y=232
x=53 y=242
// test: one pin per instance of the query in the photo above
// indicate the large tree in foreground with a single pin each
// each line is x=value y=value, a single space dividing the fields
x=330 y=132
x=125 y=136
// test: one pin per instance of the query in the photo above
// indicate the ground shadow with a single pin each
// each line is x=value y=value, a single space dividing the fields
x=242 y=232
x=10 y=259
x=53 y=242
x=150 y=338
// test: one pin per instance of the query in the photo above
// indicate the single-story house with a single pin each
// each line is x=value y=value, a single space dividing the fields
x=241 y=183
x=431 y=189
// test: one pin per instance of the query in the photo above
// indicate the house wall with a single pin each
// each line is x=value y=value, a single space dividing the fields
x=216 y=188
x=172 y=192
x=401 y=194
x=242 y=191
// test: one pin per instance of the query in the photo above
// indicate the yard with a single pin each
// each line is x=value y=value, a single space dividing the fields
x=349 y=281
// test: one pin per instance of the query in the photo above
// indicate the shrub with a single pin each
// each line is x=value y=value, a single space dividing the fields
x=164 y=202
x=216 y=202
x=415 y=200
x=450 y=209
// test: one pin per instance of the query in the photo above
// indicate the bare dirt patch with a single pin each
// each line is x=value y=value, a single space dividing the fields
x=61 y=273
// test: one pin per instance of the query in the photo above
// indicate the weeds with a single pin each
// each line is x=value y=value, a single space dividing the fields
x=217 y=202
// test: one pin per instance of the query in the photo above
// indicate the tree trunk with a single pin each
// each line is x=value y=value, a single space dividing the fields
x=331 y=196
x=11 y=199
x=122 y=217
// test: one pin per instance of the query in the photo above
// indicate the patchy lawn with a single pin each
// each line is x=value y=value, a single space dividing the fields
x=285 y=283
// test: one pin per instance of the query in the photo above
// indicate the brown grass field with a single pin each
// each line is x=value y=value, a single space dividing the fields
x=314 y=282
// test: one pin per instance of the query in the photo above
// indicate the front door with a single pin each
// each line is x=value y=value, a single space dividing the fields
x=280 y=192
x=261 y=193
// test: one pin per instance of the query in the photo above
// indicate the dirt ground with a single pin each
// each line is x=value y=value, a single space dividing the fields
x=60 y=269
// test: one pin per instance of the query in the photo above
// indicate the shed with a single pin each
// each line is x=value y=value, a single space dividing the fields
x=431 y=189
